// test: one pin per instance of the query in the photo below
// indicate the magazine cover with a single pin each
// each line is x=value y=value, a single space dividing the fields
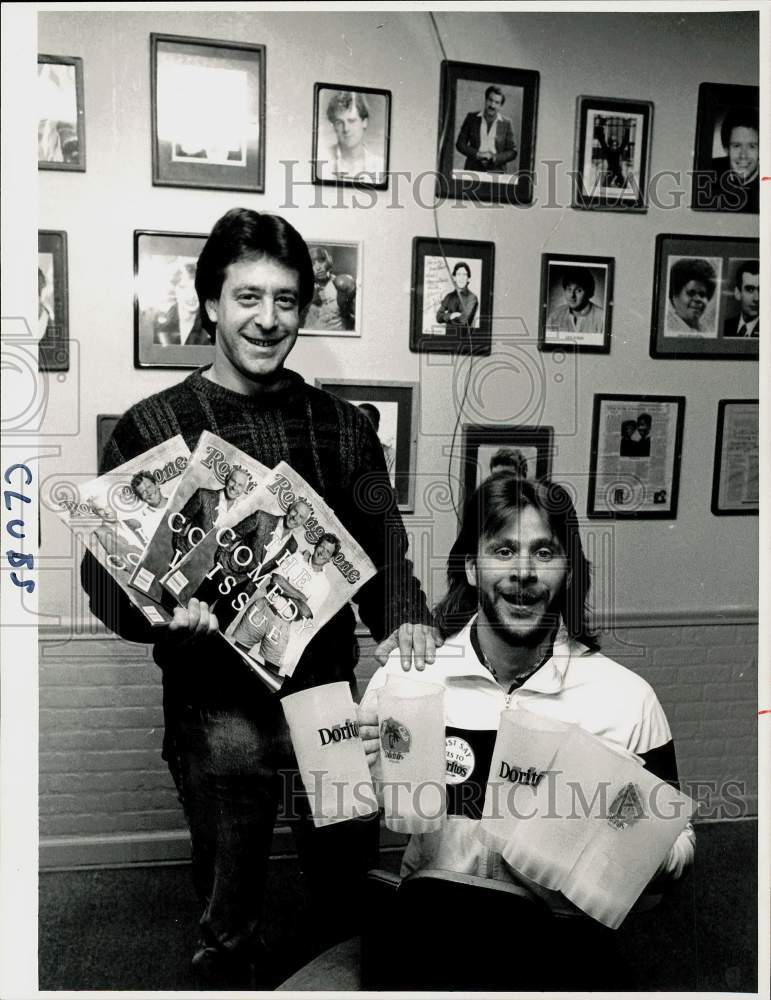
x=116 y=514
x=277 y=575
x=218 y=475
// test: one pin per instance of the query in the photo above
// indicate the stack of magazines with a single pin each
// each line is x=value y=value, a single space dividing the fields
x=259 y=545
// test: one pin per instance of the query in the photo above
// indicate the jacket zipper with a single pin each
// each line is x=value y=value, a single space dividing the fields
x=490 y=861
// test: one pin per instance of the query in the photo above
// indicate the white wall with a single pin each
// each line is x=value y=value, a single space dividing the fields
x=697 y=562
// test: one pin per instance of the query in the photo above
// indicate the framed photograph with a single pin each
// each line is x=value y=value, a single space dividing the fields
x=635 y=461
x=736 y=480
x=393 y=409
x=492 y=448
x=612 y=154
x=61 y=128
x=351 y=135
x=706 y=297
x=168 y=332
x=335 y=310
x=53 y=325
x=726 y=164
x=452 y=296
x=576 y=303
x=487 y=117
x=208 y=113
x=105 y=425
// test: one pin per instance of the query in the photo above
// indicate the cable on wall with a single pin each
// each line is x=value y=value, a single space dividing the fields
x=444 y=126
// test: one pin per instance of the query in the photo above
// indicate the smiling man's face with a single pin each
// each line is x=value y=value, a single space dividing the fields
x=257 y=317
x=519 y=574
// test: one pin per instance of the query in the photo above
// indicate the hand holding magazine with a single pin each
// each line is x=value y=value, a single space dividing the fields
x=117 y=514
x=274 y=570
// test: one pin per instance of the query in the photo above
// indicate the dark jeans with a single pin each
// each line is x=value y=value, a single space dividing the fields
x=234 y=771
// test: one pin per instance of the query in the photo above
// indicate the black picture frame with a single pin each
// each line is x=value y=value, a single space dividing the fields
x=481 y=442
x=715 y=187
x=737 y=428
x=194 y=81
x=554 y=333
x=433 y=262
x=671 y=337
x=53 y=331
x=164 y=269
x=398 y=430
x=61 y=141
x=622 y=483
x=338 y=310
x=105 y=425
x=612 y=153
x=462 y=95
x=375 y=126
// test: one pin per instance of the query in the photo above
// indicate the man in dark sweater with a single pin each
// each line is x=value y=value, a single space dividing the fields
x=226 y=740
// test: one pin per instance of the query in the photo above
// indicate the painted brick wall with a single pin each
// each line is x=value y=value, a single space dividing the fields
x=706 y=679
x=101 y=729
x=101 y=771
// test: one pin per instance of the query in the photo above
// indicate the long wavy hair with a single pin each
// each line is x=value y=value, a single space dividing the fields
x=487 y=512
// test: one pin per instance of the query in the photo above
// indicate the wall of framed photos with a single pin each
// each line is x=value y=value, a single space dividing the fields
x=652 y=59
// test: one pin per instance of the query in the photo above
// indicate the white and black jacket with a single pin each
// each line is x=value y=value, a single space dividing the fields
x=575 y=685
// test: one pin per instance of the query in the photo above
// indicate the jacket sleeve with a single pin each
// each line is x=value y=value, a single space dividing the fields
x=443 y=312
x=659 y=758
x=393 y=596
x=464 y=144
x=469 y=319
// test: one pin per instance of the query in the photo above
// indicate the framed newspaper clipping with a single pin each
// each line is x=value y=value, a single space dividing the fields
x=635 y=461
x=736 y=480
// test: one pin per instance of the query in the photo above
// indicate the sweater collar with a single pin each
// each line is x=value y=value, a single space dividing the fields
x=286 y=385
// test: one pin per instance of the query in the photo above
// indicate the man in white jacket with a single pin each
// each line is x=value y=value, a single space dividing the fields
x=514 y=621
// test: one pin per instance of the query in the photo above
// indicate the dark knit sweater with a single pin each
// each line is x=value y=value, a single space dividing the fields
x=334 y=447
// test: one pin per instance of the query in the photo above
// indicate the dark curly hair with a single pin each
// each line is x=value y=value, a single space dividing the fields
x=691 y=269
x=580 y=276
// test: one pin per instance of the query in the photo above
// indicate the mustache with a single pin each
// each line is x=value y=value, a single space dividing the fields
x=527 y=596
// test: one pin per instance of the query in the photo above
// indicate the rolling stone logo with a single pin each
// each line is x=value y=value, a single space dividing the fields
x=395 y=739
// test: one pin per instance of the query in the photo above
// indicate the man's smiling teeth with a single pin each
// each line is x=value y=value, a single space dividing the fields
x=260 y=343
x=521 y=600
